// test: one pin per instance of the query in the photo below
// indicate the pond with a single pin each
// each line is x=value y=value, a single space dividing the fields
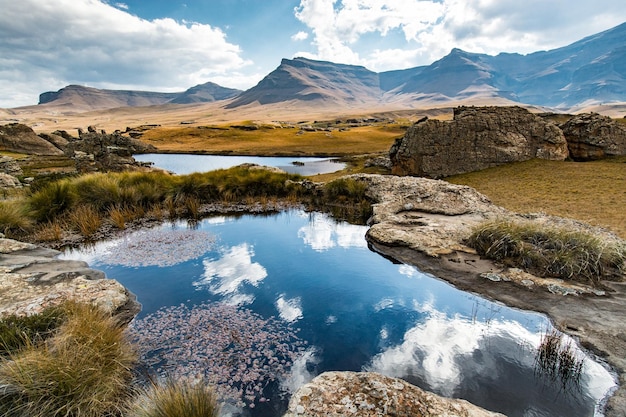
x=187 y=163
x=259 y=305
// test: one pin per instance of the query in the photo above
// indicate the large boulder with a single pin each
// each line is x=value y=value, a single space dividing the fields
x=16 y=137
x=591 y=136
x=476 y=138
x=368 y=394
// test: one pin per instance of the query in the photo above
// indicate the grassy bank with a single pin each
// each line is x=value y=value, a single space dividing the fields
x=594 y=192
x=90 y=205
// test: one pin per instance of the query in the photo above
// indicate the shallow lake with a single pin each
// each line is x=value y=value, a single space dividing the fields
x=186 y=163
x=258 y=305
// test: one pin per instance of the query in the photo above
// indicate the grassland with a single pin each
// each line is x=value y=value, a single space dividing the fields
x=247 y=138
x=594 y=192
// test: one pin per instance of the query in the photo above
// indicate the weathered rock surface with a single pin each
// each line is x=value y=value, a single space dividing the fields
x=424 y=222
x=99 y=151
x=31 y=279
x=17 y=137
x=477 y=138
x=591 y=136
x=368 y=394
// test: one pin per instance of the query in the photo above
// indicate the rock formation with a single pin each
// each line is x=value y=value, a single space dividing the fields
x=31 y=279
x=20 y=138
x=477 y=138
x=99 y=151
x=368 y=394
x=591 y=136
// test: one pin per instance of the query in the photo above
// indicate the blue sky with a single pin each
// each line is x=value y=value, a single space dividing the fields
x=171 y=45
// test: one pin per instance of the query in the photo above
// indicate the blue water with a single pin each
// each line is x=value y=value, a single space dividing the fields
x=186 y=164
x=354 y=309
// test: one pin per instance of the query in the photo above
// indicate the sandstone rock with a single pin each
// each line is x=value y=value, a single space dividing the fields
x=20 y=138
x=477 y=138
x=31 y=279
x=368 y=394
x=591 y=136
x=57 y=140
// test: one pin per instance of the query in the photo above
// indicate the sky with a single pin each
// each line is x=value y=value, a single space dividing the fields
x=172 y=45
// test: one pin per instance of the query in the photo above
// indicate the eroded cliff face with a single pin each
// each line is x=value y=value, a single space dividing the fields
x=476 y=138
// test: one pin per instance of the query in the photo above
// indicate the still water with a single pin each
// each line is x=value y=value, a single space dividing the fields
x=186 y=164
x=259 y=305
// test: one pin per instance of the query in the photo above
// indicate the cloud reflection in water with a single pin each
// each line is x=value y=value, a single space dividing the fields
x=323 y=233
x=229 y=274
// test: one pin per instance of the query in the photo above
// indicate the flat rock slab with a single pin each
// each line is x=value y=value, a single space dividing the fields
x=32 y=279
x=369 y=394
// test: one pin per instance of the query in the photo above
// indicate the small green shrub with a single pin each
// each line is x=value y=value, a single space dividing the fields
x=177 y=399
x=549 y=251
x=83 y=370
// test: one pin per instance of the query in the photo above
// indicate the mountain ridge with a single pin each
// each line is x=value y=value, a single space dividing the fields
x=589 y=71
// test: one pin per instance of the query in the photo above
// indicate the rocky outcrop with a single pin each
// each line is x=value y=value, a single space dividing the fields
x=368 y=394
x=31 y=279
x=99 y=151
x=16 y=137
x=476 y=138
x=591 y=136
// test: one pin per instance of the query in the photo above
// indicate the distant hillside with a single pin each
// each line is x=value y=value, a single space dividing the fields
x=97 y=99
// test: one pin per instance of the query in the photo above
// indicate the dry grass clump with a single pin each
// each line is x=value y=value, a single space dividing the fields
x=83 y=370
x=176 y=399
x=550 y=251
x=14 y=217
x=17 y=332
x=86 y=219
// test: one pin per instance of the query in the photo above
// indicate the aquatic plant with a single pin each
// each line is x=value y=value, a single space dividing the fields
x=558 y=360
x=234 y=349
x=176 y=399
x=549 y=251
x=83 y=370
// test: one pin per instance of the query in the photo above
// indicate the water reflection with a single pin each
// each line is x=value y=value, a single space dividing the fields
x=354 y=310
x=232 y=273
x=186 y=164
x=322 y=233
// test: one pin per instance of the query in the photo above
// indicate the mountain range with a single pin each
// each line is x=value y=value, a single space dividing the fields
x=590 y=71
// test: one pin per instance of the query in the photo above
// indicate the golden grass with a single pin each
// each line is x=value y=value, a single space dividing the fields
x=594 y=192
x=272 y=140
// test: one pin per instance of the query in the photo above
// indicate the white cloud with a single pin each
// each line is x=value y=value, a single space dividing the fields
x=300 y=36
x=343 y=29
x=47 y=44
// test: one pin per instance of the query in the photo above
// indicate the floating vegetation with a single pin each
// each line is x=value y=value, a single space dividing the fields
x=158 y=247
x=558 y=360
x=233 y=349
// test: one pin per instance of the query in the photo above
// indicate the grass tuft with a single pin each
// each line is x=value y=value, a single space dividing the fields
x=14 y=217
x=83 y=370
x=86 y=219
x=177 y=399
x=18 y=332
x=551 y=252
